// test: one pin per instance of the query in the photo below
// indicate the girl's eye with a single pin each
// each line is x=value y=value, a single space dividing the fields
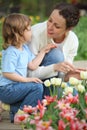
x=28 y=29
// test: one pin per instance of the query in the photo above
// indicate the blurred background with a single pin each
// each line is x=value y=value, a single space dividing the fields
x=39 y=10
x=35 y=7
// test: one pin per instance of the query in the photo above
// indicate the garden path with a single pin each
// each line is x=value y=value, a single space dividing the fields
x=5 y=123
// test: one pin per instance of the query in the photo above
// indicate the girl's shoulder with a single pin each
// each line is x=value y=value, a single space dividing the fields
x=11 y=50
x=26 y=47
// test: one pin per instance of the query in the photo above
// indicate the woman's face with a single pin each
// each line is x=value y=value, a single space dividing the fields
x=56 y=25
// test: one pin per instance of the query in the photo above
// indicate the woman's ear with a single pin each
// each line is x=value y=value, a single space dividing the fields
x=71 y=28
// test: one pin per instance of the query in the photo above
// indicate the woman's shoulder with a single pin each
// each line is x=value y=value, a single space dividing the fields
x=71 y=40
x=72 y=34
x=39 y=27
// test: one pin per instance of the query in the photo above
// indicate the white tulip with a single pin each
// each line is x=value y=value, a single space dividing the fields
x=64 y=84
x=68 y=90
x=73 y=81
x=81 y=88
x=53 y=80
x=58 y=81
x=83 y=74
x=47 y=83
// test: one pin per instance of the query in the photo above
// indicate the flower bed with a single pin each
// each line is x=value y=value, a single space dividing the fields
x=65 y=111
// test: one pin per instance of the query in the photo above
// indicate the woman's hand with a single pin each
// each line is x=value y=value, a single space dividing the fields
x=72 y=74
x=64 y=67
x=75 y=73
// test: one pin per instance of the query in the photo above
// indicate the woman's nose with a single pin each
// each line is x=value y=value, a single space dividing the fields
x=50 y=26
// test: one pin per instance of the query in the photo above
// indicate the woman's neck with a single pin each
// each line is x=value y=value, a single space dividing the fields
x=60 y=39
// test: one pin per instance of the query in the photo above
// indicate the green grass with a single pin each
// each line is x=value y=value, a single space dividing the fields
x=80 y=30
x=0 y=35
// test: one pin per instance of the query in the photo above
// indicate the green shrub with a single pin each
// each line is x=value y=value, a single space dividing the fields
x=81 y=31
x=0 y=35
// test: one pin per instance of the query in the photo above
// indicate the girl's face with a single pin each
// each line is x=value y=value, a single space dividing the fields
x=28 y=34
x=56 y=26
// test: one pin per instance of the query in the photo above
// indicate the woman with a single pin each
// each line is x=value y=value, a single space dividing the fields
x=57 y=30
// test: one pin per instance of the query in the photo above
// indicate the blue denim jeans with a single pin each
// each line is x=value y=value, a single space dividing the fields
x=54 y=56
x=20 y=94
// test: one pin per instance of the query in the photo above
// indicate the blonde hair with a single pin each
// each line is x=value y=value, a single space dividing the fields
x=13 y=29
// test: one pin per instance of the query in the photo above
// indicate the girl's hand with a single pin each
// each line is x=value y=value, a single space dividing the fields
x=36 y=80
x=48 y=47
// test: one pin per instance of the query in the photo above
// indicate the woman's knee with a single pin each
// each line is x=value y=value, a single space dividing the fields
x=57 y=55
x=54 y=56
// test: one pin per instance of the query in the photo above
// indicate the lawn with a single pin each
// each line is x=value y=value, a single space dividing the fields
x=80 y=30
x=0 y=35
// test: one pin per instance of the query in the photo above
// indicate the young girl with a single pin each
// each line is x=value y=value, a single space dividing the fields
x=16 y=88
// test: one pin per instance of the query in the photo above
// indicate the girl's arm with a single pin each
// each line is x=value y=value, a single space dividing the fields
x=19 y=78
x=38 y=59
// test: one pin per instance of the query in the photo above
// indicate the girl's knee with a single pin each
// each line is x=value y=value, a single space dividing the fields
x=40 y=88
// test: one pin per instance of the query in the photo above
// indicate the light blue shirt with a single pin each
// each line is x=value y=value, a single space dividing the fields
x=15 y=61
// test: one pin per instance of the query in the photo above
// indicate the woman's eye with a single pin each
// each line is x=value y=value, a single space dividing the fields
x=57 y=26
x=49 y=20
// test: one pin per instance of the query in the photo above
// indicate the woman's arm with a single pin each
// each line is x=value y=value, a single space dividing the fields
x=44 y=72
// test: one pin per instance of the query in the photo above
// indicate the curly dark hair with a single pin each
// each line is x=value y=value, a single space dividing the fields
x=70 y=12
